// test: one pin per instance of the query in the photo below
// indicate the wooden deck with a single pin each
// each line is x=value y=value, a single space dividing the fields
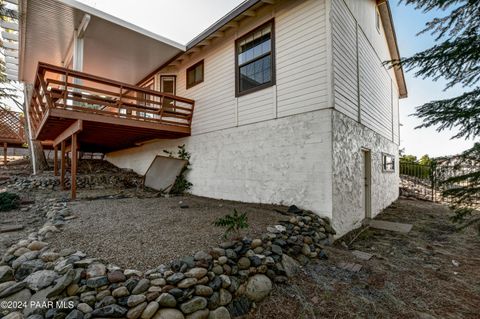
x=76 y=111
x=115 y=115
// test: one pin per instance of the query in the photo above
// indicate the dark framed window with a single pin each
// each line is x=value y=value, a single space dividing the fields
x=195 y=74
x=255 y=60
x=388 y=162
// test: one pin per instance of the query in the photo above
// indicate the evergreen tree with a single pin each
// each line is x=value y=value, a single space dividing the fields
x=456 y=58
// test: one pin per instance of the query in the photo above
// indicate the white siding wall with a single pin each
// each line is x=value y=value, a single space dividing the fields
x=344 y=41
x=302 y=82
x=215 y=104
x=301 y=71
x=360 y=79
x=396 y=117
x=375 y=90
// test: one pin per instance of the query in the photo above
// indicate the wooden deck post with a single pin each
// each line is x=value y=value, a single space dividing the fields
x=62 y=169
x=73 y=175
x=55 y=160
x=5 y=154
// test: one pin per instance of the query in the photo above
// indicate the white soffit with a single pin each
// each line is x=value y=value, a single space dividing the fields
x=113 y=48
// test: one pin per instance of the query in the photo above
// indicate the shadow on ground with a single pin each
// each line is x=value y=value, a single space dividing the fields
x=432 y=272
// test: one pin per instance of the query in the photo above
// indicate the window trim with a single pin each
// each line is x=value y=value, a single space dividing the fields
x=384 y=169
x=192 y=67
x=168 y=76
x=273 y=79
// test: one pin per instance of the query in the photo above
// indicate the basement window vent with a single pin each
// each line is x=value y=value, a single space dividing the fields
x=388 y=162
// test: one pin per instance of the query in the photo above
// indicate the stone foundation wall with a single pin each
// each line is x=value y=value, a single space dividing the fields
x=283 y=161
x=349 y=139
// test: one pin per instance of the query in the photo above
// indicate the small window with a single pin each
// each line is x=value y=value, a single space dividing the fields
x=388 y=162
x=377 y=19
x=195 y=74
x=255 y=67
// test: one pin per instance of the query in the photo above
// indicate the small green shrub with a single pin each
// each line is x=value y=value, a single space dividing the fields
x=233 y=223
x=8 y=201
x=181 y=185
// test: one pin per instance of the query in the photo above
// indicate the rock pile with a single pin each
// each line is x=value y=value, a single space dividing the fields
x=97 y=181
x=92 y=174
x=223 y=282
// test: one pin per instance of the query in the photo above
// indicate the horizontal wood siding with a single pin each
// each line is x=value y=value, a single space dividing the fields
x=301 y=70
x=363 y=88
x=396 y=117
x=375 y=90
x=215 y=105
x=257 y=106
x=301 y=58
x=344 y=47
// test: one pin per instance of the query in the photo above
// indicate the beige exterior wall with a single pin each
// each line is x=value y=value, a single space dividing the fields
x=302 y=83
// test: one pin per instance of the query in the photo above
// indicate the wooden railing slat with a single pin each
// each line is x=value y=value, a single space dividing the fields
x=104 y=97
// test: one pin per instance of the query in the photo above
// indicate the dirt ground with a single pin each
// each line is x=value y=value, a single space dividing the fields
x=143 y=233
x=26 y=215
x=432 y=272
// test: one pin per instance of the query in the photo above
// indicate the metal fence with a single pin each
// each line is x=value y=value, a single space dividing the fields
x=428 y=181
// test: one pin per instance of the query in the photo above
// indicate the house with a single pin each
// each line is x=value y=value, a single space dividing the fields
x=284 y=102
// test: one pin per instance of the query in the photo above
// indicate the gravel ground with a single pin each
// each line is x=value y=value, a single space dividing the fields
x=30 y=219
x=143 y=233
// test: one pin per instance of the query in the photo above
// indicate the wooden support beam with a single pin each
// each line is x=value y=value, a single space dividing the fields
x=5 y=154
x=194 y=49
x=204 y=43
x=218 y=34
x=62 y=169
x=76 y=127
x=249 y=13
x=55 y=160
x=231 y=24
x=73 y=175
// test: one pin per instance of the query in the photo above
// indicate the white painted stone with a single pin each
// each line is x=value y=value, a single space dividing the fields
x=283 y=161
x=349 y=138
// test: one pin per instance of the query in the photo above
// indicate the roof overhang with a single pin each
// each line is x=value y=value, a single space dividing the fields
x=113 y=48
x=388 y=26
x=216 y=30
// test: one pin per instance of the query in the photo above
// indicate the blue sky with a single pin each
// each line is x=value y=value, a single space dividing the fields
x=408 y=22
x=165 y=16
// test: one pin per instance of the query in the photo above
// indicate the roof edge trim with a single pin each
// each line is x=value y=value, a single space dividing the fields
x=242 y=7
x=389 y=27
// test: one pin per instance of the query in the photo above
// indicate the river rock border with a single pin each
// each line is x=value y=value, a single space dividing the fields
x=223 y=282
x=84 y=181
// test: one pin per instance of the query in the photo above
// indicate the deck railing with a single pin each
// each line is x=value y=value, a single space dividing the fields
x=61 y=88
